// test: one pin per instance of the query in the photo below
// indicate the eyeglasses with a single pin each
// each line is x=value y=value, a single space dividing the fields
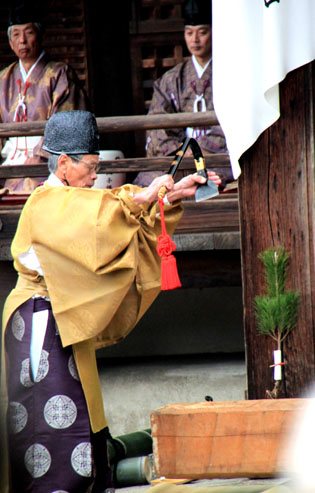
x=92 y=166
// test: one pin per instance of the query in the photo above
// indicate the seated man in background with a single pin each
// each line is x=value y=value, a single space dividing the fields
x=187 y=87
x=32 y=88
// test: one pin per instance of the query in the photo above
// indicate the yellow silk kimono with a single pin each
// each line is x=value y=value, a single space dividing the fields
x=97 y=250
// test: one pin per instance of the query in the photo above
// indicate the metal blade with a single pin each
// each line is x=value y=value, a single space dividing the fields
x=206 y=191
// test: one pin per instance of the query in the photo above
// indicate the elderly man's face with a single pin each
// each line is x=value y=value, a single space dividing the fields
x=79 y=172
x=24 y=41
x=198 y=40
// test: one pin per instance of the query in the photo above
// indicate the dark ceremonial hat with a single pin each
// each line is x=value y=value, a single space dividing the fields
x=71 y=132
x=197 y=12
x=24 y=13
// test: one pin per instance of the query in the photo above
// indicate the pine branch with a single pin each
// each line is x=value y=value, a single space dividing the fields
x=275 y=261
x=267 y=315
x=276 y=312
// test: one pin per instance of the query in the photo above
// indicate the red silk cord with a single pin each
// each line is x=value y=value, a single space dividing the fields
x=165 y=247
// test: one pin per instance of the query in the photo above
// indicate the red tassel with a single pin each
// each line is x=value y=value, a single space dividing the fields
x=165 y=247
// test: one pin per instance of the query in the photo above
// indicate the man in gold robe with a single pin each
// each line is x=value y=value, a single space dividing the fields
x=88 y=270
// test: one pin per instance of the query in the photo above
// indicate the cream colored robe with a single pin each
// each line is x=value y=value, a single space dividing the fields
x=97 y=250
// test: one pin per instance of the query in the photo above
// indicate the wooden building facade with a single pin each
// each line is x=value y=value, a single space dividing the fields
x=118 y=51
x=277 y=206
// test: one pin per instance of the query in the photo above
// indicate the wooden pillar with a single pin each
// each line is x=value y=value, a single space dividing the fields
x=276 y=190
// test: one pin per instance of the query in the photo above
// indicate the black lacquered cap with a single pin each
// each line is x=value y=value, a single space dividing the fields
x=24 y=13
x=71 y=132
x=197 y=12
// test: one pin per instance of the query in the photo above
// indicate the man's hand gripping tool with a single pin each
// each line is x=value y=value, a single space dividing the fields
x=204 y=191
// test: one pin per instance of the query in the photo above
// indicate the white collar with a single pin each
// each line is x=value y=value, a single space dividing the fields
x=23 y=71
x=54 y=181
x=199 y=69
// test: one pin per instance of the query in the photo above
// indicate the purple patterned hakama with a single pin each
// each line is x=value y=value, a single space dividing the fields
x=48 y=422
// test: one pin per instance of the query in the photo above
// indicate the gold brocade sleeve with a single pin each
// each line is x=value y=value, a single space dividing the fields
x=97 y=250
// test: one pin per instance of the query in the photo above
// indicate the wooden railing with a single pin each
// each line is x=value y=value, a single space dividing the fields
x=114 y=124
x=218 y=215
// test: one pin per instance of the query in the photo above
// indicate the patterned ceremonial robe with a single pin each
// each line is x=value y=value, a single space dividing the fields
x=101 y=272
x=176 y=92
x=50 y=87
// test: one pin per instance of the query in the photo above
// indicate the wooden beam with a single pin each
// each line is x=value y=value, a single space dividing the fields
x=121 y=123
x=214 y=162
x=277 y=206
x=215 y=215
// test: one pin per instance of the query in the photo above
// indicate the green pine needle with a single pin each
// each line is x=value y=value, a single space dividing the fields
x=276 y=311
x=275 y=261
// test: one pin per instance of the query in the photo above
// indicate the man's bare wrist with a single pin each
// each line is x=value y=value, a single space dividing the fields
x=138 y=198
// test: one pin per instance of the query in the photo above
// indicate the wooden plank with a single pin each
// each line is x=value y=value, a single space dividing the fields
x=215 y=215
x=151 y=17
x=227 y=439
x=166 y=62
x=215 y=162
x=159 y=39
x=65 y=43
x=277 y=208
x=156 y=26
x=146 y=122
x=218 y=214
x=120 y=123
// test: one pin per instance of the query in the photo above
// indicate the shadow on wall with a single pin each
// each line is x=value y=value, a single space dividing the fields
x=187 y=321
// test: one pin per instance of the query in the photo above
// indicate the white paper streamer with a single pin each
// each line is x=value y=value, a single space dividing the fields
x=277 y=372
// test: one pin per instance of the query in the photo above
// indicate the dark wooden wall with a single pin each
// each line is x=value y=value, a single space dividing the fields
x=110 y=67
x=130 y=46
x=156 y=45
x=277 y=208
